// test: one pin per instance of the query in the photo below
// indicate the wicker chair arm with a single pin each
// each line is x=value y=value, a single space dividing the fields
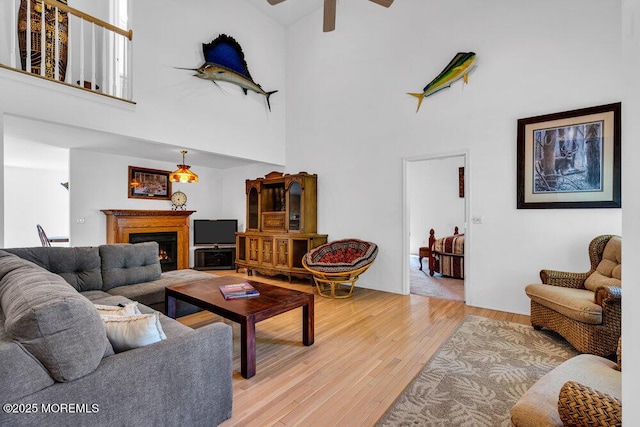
x=563 y=278
x=579 y=405
x=606 y=295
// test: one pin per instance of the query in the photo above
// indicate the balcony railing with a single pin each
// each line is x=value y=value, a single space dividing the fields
x=63 y=44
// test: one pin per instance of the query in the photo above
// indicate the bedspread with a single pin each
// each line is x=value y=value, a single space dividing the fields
x=450 y=245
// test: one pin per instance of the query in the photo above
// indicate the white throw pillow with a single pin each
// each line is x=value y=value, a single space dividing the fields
x=129 y=309
x=128 y=332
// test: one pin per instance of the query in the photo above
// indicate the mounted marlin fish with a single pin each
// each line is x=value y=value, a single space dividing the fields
x=459 y=68
x=224 y=61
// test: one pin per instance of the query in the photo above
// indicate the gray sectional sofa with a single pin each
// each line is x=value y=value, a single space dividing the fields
x=57 y=366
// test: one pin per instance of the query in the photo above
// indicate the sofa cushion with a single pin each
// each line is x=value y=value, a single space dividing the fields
x=609 y=270
x=128 y=309
x=171 y=327
x=80 y=267
x=47 y=316
x=127 y=264
x=21 y=374
x=576 y=304
x=152 y=293
x=129 y=332
x=539 y=405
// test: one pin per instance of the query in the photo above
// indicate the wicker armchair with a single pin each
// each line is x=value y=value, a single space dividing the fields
x=585 y=308
x=582 y=391
x=336 y=266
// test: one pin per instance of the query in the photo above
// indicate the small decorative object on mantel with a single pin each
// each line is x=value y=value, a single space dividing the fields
x=570 y=159
x=148 y=184
x=178 y=201
x=183 y=174
x=224 y=61
x=459 y=68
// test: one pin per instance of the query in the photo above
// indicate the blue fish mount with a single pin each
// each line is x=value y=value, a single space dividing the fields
x=227 y=52
x=224 y=61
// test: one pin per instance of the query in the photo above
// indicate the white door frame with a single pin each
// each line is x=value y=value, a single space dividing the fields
x=406 y=216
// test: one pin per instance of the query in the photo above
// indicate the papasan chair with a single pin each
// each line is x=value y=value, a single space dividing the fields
x=337 y=265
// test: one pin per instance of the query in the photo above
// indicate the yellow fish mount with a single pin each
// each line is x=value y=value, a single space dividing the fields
x=458 y=68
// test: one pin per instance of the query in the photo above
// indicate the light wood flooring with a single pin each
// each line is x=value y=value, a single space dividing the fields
x=367 y=349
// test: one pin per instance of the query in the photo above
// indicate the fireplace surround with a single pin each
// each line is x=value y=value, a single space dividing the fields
x=129 y=226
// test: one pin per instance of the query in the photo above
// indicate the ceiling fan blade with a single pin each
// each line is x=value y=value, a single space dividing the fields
x=329 y=22
x=385 y=3
x=274 y=2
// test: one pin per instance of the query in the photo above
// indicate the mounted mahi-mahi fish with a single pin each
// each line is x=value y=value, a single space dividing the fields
x=224 y=61
x=459 y=68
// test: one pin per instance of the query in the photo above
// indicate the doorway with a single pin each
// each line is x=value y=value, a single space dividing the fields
x=36 y=191
x=436 y=197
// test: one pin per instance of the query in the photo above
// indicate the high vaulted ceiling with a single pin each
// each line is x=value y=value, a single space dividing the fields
x=288 y=12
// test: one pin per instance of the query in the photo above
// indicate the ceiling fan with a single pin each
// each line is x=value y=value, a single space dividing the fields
x=329 y=21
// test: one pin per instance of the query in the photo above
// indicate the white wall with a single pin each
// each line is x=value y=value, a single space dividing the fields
x=34 y=196
x=33 y=173
x=631 y=204
x=172 y=106
x=100 y=181
x=350 y=121
x=434 y=201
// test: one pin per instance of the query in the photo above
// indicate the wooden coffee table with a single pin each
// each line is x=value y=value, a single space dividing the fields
x=273 y=300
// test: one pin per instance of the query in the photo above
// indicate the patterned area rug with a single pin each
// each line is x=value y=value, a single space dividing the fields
x=477 y=375
x=437 y=286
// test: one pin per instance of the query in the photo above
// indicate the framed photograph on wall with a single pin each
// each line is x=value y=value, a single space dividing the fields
x=570 y=159
x=149 y=184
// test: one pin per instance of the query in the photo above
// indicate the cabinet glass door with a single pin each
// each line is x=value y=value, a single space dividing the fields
x=295 y=196
x=253 y=209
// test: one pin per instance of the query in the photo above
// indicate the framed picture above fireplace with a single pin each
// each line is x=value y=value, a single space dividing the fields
x=149 y=184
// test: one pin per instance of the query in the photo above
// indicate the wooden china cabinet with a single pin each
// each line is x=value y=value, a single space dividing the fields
x=281 y=224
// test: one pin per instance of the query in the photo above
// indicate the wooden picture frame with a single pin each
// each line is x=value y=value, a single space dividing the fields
x=570 y=159
x=148 y=184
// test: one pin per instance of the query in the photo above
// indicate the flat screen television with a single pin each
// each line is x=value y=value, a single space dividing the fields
x=214 y=232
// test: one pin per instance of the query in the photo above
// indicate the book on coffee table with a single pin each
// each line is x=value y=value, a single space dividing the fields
x=238 y=290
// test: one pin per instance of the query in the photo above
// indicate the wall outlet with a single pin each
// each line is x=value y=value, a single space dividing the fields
x=476 y=219
x=79 y=220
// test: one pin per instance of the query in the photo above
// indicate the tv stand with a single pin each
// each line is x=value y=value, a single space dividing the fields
x=216 y=258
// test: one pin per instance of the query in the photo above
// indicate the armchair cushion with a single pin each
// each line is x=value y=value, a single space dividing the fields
x=576 y=304
x=538 y=406
x=609 y=270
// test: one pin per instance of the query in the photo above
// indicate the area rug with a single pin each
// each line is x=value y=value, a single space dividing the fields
x=477 y=375
x=437 y=286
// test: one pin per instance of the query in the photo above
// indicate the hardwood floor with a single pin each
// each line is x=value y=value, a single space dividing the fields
x=367 y=349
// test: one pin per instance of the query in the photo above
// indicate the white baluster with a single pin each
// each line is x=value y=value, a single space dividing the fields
x=43 y=40
x=13 y=30
x=81 y=52
x=93 y=56
x=128 y=68
x=56 y=40
x=69 y=76
x=28 y=39
x=103 y=83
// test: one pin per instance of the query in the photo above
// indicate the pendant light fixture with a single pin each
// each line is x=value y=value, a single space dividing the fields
x=183 y=174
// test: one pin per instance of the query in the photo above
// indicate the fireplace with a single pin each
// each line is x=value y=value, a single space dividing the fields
x=169 y=228
x=167 y=247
